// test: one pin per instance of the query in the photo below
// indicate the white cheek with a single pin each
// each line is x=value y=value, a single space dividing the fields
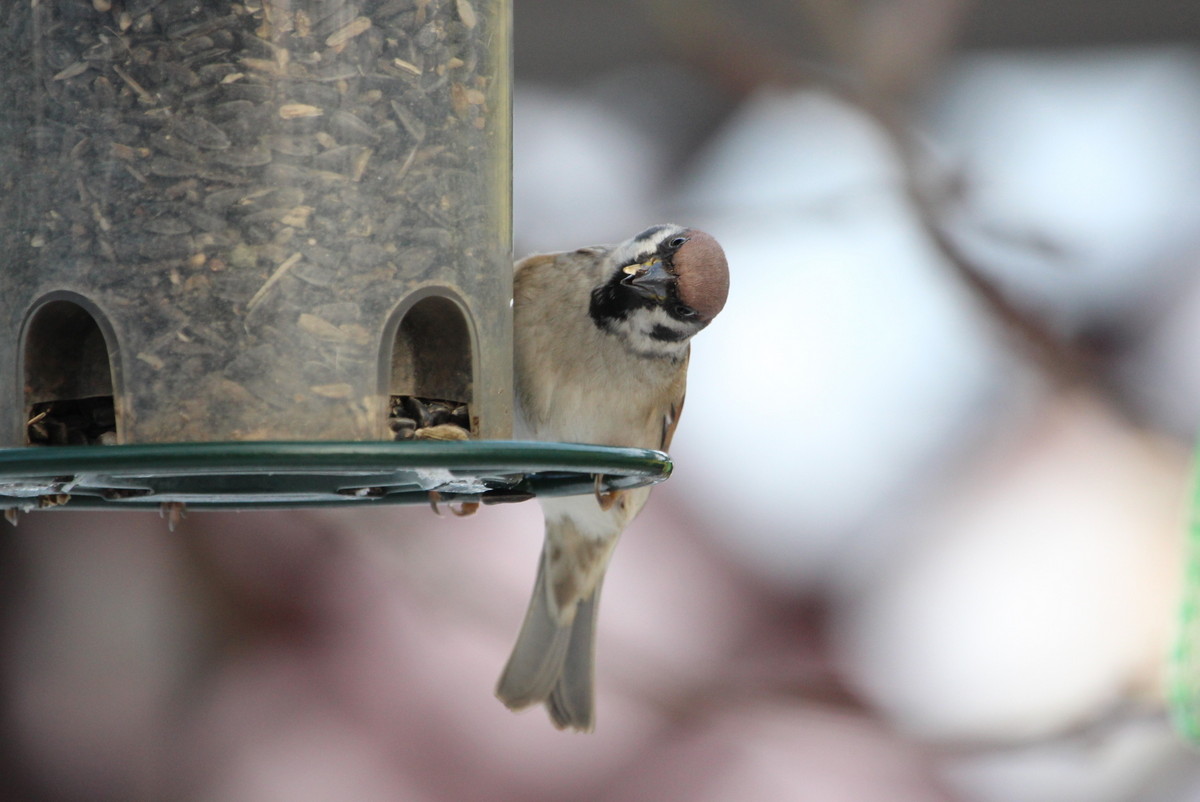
x=644 y=321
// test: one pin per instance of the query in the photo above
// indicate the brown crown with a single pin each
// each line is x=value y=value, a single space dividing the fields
x=703 y=274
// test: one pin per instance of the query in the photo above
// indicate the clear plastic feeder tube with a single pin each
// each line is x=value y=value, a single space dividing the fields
x=256 y=220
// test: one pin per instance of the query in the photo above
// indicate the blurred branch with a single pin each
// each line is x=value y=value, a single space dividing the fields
x=877 y=56
x=1059 y=358
x=885 y=48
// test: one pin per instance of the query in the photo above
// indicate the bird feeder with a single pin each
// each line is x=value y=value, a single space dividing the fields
x=258 y=253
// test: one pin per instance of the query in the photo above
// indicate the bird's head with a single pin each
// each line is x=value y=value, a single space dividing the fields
x=661 y=287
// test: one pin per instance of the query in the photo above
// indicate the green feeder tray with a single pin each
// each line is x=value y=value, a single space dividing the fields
x=263 y=475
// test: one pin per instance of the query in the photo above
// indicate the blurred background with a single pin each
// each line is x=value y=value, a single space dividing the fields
x=924 y=538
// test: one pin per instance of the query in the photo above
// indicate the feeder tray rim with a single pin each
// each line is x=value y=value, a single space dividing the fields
x=272 y=474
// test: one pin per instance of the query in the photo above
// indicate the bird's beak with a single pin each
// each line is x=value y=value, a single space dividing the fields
x=648 y=279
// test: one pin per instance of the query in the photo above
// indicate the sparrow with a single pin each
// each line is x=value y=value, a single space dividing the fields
x=601 y=340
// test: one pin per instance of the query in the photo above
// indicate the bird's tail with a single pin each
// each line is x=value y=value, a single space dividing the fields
x=554 y=659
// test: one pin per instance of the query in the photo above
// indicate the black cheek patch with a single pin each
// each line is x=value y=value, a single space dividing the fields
x=666 y=334
x=614 y=301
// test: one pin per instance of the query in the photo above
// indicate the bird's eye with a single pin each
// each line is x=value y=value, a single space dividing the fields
x=684 y=311
x=677 y=242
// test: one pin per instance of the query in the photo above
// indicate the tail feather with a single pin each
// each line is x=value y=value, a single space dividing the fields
x=553 y=661
x=537 y=659
x=572 y=703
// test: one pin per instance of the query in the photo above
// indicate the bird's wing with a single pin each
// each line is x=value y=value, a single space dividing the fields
x=675 y=407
